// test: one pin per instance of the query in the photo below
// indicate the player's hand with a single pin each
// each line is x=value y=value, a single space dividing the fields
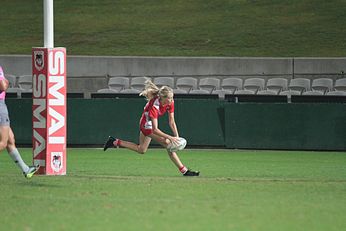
x=174 y=140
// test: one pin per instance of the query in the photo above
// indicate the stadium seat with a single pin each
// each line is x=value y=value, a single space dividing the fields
x=118 y=83
x=244 y=92
x=138 y=83
x=186 y=83
x=164 y=81
x=277 y=85
x=232 y=84
x=25 y=83
x=322 y=85
x=209 y=84
x=179 y=91
x=267 y=92
x=254 y=84
x=199 y=92
x=290 y=92
x=299 y=84
x=340 y=84
x=341 y=93
x=312 y=93
x=130 y=91
x=107 y=90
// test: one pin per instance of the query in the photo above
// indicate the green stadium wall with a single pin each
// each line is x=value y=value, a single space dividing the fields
x=203 y=122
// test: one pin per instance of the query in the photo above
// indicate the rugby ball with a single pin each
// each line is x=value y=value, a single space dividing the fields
x=180 y=145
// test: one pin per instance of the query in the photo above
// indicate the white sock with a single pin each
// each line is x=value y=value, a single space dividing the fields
x=14 y=154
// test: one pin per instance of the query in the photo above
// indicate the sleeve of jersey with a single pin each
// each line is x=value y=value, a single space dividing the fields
x=171 y=108
x=153 y=113
x=2 y=76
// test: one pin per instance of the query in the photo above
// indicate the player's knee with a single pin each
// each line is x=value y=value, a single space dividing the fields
x=11 y=141
x=141 y=150
x=3 y=145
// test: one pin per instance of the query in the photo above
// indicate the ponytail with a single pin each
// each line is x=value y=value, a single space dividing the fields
x=150 y=90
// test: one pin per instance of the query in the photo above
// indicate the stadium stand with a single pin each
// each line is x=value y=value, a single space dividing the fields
x=254 y=84
x=322 y=85
x=106 y=91
x=220 y=87
x=232 y=84
x=244 y=92
x=340 y=93
x=209 y=84
x=277 y=84
x=267 y=92
x=138 y=83
x=340 y=84
x=25 y=83
x=300 y=84
x=179 y=91
x=164 y=81
x=200 y=92
x=290 y=92
x=118 y=83
x=130 y=91
x=312 y=93
x=186 y=84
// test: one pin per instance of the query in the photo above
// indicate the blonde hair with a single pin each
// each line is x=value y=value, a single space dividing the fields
x=151 y=91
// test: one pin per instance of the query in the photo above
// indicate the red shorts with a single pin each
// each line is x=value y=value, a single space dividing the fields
x=145 y=131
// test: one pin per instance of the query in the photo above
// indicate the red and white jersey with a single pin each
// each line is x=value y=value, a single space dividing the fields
x=154 y=109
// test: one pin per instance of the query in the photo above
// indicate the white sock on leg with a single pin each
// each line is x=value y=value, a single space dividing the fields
x=14 y=154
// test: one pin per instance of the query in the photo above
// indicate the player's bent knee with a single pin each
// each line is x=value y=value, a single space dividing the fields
x=141 y=150
x=3 y=145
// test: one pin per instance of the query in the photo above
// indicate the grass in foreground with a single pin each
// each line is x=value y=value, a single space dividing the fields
x=180 y=27
x=238 y=190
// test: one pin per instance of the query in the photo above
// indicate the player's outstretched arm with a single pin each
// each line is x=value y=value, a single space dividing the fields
x=172 y=124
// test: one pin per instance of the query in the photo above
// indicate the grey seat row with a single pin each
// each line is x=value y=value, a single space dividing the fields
x=191 y=85
x=19 y=84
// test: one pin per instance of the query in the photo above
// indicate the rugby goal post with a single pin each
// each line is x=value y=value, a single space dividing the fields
x=49 y=101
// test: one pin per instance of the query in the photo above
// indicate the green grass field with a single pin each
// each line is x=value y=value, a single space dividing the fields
x=237 y=190
x=180 y=27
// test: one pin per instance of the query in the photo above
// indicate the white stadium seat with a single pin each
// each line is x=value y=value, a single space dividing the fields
x=186 y=83
x=164 y=81
x=25 y=83
x=299 y=84
x=341 y=93
x=277 y=84
x=209 y=84
x=138 y=83
x=199 y=92
x=232 y=84
x=322 y=84
x=244 y=92
x=254 y=84
x=118 y=83
x=340 y=84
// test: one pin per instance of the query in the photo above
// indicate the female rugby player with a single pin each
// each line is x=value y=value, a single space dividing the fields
x=6 y=134
x=160 y=101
